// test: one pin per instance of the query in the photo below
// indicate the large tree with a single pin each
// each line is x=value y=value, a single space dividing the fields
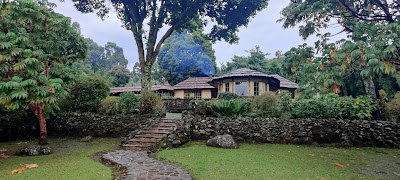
x=374 y=33
x=175 y=15
x=33 y=39
x=105 y=57
x=186 y=55
x=256 y=61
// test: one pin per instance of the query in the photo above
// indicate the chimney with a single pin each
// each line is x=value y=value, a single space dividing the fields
x=210 y=74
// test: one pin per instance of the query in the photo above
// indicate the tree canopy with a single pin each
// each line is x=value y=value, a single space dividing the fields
x=374 y=43
x=257 y=61
x=227 y=16
x=185 y=55
x=34 y=39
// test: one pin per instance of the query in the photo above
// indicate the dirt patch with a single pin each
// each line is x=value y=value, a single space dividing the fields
x=118 y=172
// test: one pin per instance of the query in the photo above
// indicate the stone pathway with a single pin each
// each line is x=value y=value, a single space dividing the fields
x=140 y=166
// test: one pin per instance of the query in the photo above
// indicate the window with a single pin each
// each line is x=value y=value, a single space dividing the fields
x=226 y=87
x=241 y=88
x=256 y=88
x=193 y=94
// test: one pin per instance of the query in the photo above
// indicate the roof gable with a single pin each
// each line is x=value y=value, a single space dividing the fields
x=195 y=83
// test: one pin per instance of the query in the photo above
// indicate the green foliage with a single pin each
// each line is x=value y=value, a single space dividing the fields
x=119 y=76
x=228 y=16
x=370 y=51
x=33 y=39
x=256 y=61
x=393 y=108
x=150 y=102
x=86 y=94
x=109 y=106
x=334 y=106
x=128 y=103
x=186 y=54
x=285 y=101
x=203 y=107
x=267 y=104
x=231 y=108
x=228 y=96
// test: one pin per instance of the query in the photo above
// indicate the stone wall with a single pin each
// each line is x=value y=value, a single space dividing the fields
x=98 y=125
x=15 y=125
x=176 y=105
x=298 y=131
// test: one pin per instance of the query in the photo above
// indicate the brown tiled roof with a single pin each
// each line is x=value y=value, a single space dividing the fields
x=165 y=86
x=243 y=72
x=195 y=83
x=285 y=83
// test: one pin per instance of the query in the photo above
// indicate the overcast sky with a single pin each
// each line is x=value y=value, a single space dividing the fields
x=263 y=30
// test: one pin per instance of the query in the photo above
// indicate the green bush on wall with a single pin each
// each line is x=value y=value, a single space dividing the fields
x=334 y=106
x=86 y=94
x=150 y=102
x=228 y=96
x=393 y=108
x=266 y=105
x=128 y=103
x=109 y=106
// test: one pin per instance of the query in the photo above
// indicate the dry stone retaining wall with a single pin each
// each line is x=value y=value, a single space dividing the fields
x=298 y=131
x=99 y=125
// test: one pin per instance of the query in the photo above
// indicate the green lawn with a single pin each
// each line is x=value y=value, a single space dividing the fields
x=275 y=161
x=175 y=114
x=71 y=160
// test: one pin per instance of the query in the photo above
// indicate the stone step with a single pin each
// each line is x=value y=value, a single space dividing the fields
x=168 y=121
x=162 y=128
x=167 y=124
x=152 y=136
x=145 y=140
x=151 y=131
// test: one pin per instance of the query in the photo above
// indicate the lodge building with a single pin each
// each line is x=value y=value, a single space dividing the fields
x=242 y=81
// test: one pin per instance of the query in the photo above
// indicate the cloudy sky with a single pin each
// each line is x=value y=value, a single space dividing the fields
x=263 y=30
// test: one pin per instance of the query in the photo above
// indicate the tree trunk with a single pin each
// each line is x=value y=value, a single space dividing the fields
x=37 y=109
x=369 y=86
x=146 y=77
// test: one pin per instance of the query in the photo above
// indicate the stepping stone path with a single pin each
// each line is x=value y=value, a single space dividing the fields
x=135 y=157
x=140 y=166
x=148 y=139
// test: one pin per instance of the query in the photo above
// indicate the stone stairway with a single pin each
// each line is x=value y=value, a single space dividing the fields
x=148 y=140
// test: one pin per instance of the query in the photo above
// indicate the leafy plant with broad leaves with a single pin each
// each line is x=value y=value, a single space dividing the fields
x=372 y=48
x=33 y=39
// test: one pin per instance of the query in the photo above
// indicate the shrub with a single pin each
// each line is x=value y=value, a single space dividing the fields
x=334 y=106
x=285 y=100
x=228 y=96
x=86 y=94
x=231 y=108
x=363 y=107
x=202 y=107
x=128 y=103
x=109 y=106
x=150 y=102
x=267 y=104
x=393 y=108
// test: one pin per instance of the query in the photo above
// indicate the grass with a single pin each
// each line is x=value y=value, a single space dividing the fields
x=71 y=160
x=175 y=114
x=276 y=161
